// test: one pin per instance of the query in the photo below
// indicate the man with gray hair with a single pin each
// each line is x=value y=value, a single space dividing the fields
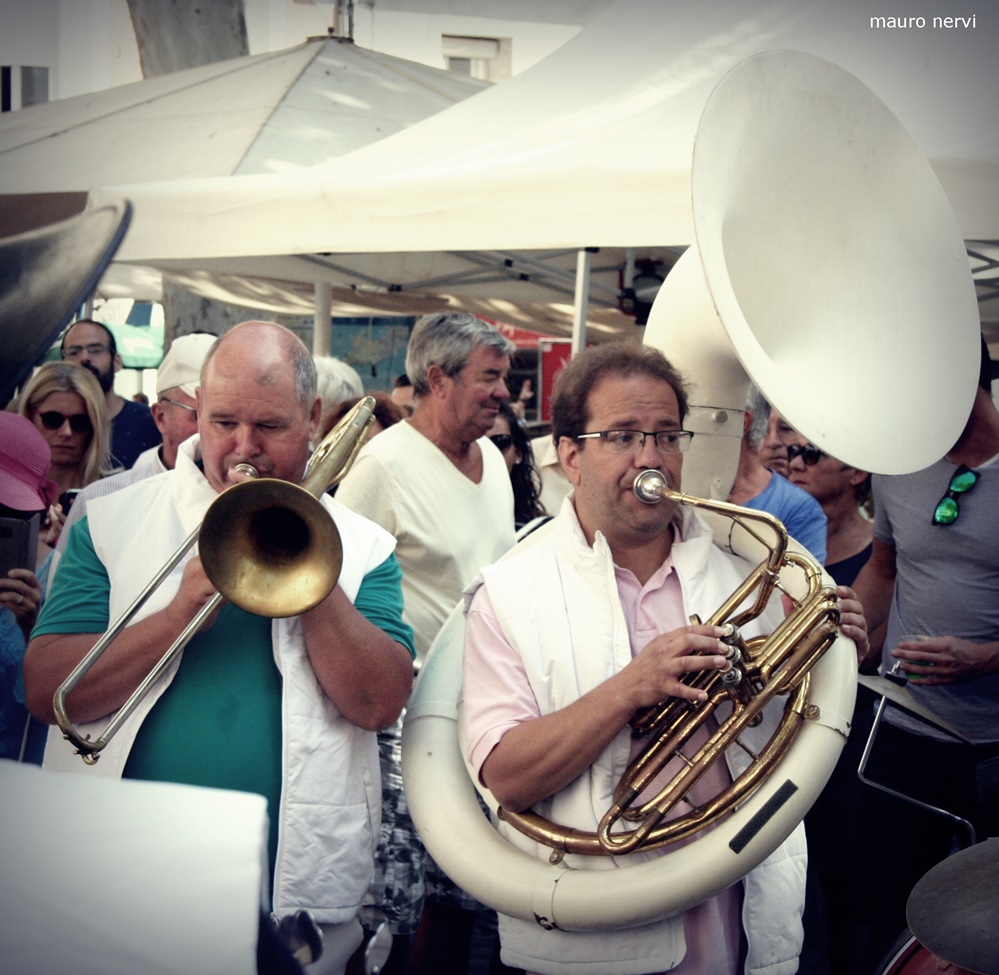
x=435 y=481
x=438 y=484
x=338 y=381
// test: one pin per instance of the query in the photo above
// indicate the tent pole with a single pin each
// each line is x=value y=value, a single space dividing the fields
x=322 y=329
x=581 y=305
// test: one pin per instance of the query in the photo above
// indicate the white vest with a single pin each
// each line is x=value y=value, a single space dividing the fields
x=331 y=792
x=558 y=604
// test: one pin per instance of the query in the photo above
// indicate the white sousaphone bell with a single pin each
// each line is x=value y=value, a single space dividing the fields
x=828 y=267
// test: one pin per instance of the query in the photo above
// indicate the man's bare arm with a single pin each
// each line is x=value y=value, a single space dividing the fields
x=874 y=587
x=50 y=658
x=361 y=669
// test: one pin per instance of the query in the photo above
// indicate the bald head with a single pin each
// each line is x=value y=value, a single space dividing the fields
x=275 y=347
x=257 y=404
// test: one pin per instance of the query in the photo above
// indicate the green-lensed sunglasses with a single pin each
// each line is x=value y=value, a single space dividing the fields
x=947 y=510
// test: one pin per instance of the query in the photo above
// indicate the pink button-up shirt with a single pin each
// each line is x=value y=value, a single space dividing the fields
x=498 y=696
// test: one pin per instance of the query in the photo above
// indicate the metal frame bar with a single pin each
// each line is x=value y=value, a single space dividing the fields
x=868 y=747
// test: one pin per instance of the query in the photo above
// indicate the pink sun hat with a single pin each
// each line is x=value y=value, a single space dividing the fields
x=24 y=465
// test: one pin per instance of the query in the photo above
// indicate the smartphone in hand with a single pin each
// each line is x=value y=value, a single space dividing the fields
x=67 y=498
x=19 y=543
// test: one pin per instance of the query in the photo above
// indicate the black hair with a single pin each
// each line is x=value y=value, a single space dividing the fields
x=524 y=474
x=112 y=344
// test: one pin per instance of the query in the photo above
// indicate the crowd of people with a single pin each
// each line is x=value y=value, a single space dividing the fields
x=565 y=639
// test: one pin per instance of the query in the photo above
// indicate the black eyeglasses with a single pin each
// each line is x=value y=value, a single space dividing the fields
x=623 y=441
x=76 y=351
x=78 y=422
x=808 y=452
x=947 y=510
x=502 y=440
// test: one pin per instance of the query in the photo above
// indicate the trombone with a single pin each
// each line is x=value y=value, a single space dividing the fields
x=268 y=546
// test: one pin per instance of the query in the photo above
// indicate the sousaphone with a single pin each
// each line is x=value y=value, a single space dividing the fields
x=828 y=267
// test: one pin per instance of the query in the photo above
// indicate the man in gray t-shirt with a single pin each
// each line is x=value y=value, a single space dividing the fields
x=934 y=576
x=945 y=604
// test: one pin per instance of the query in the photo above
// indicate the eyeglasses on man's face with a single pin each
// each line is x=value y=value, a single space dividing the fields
x=947 y=509
x=627 y=441
x=92 y=351
x=808 y=452
x=183 y=406
x=78 y=422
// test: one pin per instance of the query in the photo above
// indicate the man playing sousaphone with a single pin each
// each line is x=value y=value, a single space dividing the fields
x=286 y=708
x=572 y=634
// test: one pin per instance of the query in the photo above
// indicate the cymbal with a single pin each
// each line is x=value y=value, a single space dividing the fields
x=954 y=909
x=899 y=695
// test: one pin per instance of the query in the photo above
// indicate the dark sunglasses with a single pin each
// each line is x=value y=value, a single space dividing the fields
x=809 y=453
x=502 y=440
x=78 y=422
x=947 y=510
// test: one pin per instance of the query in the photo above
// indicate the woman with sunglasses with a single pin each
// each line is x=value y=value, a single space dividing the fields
x=514 y=444
x=833 y=824
x=66 y=404
x=844 y=493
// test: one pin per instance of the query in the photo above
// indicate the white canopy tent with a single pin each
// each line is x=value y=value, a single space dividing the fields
x=589 y=148
x=281 y=112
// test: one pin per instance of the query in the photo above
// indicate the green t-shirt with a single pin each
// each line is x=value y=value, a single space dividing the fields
x=219 y=722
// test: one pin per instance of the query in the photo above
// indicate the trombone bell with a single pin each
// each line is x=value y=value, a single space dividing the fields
x=271 y=548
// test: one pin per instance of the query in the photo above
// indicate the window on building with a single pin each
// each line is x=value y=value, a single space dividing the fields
x=22 y=86
x=483 y=58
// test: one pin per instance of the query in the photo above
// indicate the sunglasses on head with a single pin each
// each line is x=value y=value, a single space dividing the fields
x=78 y=422
x=947 y=510
x=502 y=440
x=809 y=453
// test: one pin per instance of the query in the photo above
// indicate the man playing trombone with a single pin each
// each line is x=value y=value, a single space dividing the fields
x=585 y=624
x=284 y=707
